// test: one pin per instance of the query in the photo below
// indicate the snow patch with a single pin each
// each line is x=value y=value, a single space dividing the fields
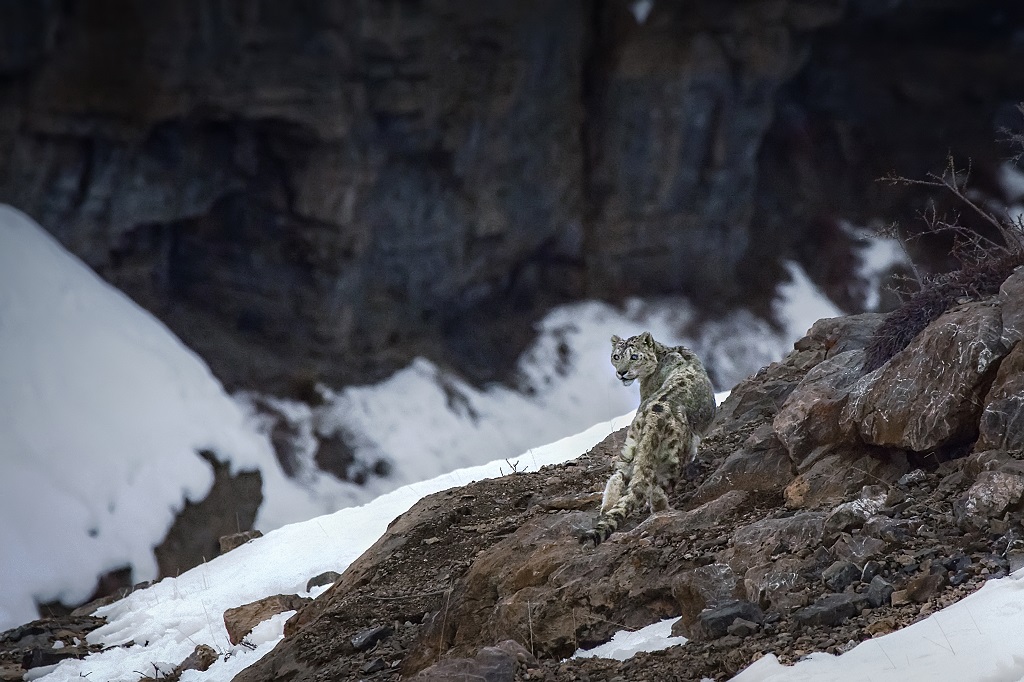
x=625 y=644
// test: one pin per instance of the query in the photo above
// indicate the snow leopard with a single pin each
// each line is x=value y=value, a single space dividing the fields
x=677 y=406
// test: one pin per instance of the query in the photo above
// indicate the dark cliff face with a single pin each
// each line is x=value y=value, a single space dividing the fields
x=323 y=190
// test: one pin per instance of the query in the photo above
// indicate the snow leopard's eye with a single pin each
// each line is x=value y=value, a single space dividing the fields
x=616 y=356
x=634 y=356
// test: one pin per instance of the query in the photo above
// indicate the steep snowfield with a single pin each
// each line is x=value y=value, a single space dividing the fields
x=102 y=411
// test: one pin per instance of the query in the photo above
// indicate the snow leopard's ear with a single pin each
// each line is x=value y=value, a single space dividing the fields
x=616 y=340
x=646 y=339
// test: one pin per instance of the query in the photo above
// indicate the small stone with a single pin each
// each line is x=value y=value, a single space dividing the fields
x=840 y=575
x=879 y=592
x=912 y=478
x=432 y=541
x=959 y=578
x=367 y=638
x=236 y=540
x=871 y=569
x=374 y=666
x=899 y=598
x=742 y=627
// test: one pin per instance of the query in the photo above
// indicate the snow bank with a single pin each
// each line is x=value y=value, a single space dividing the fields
x=625 y=644
x=102 y=411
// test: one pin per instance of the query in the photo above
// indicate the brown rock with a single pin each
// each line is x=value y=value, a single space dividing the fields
x=839 y=474
x=760 y=465
x=235 y=540
x=201 y=658
x=921 y=588
x=240 y=620
x=491 y=664
x=811 y=416
x=929 y=394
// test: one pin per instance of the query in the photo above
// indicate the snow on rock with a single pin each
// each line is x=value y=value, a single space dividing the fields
x=102 y=411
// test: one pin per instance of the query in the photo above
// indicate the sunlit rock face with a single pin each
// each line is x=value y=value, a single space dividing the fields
x=324 y=191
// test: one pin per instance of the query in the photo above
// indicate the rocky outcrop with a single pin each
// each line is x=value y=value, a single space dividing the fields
x=323 y=192
x=850 y=539
x=896 y=534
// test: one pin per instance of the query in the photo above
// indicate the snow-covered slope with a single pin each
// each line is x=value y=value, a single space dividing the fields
x=102 y=411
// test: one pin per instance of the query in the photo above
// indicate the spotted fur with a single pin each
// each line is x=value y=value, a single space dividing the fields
x=677 y=405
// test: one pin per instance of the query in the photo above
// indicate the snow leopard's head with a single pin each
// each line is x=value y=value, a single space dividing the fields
x=633 y=358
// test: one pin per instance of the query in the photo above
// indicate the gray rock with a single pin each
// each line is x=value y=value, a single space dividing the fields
x=1002 y=421
x=760 y=465
x=858 y=549
x=879 y=592
x=893 y=532
x=742 y=627
x=871 y=570
x=325 y=578
x=854 y=513
x=367 y=638
x=714 y=622
x=754 y=544
x=913 y=478
x=840 y=575
x=774 y=585
x=373 y=666
x=831 y=609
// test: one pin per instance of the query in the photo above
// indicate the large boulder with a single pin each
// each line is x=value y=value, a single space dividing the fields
x=931 y=393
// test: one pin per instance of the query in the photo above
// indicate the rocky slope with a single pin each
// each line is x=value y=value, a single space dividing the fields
x=830 y=505
x=323 y=190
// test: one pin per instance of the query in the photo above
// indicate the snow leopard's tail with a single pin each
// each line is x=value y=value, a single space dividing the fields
x=659 y=433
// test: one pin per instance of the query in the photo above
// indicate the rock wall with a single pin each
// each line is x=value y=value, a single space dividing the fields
x=321 y=190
